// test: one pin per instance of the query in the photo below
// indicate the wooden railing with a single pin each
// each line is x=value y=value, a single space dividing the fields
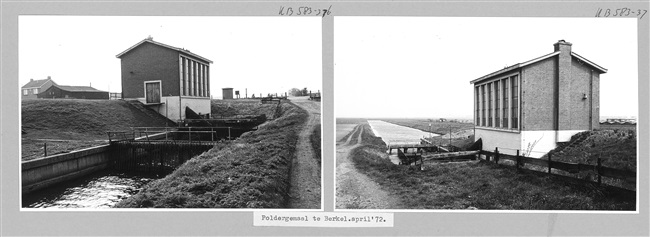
x=520 y=161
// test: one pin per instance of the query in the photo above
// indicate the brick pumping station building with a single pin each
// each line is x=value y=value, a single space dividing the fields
x=533 y=105
x=166 y=78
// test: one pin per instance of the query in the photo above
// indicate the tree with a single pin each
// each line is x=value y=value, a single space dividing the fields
x=295 y=92
x=305 y=92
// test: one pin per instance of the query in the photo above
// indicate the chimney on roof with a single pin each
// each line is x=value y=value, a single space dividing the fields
x=31 y=79
x=48 y=77
x=562 y=46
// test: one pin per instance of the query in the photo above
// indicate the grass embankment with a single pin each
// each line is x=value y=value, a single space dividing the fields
x=315 y=140
x=228 y=108
x=481 y=185
x=70 y=124
x=251 y=172
x=616 y=148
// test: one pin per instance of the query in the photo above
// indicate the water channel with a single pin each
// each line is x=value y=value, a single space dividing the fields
x=102 y=189
x=397 y=134
x=393 y=134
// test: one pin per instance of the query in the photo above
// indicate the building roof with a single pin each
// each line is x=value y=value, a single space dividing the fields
x=529 y=62
x=150 y=40
x=78 y=88
x=37 y=83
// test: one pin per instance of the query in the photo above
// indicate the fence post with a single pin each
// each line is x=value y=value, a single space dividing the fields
x=518 y=160
x=45 y=149
x=421 y=163
x=228 y=133
x=598 y=169
x=496 y=155
x=212 y=134
x=549 y=162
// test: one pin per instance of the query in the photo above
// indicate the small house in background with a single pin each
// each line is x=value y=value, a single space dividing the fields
x=73 y=92
x=533 y=105
x=34 y=87
x=227 y=94
x=166 y=78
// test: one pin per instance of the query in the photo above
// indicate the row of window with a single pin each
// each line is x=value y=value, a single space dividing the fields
x=34 y=91
x=194 y=78
x=497 y=103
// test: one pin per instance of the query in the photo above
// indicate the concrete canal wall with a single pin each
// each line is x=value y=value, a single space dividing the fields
x=47 y=171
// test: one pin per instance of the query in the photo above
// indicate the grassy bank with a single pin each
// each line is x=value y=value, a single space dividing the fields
x=315 y=140
x=616 y=148
x=480 y=185
x=251 y=172
x=227 y=108
x=83 y=122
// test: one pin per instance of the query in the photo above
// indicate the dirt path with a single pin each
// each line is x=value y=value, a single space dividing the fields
x=355 y=190
x=305 y=192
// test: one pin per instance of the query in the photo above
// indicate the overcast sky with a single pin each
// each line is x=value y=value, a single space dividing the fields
x=263 y=54
x=422 y=66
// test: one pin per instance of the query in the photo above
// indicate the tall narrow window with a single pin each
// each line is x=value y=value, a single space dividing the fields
x=515 y=102
x=198 y=79
x=504 y=82
x=477 y=104
x=489 y=105
x=181 y=69
x=497 y=122
x=482 y=105
x=187 y=76
x=194 y=84
x=207 y=79
x=203 y=92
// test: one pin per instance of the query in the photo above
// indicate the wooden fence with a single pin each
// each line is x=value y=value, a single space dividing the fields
x=573 y=168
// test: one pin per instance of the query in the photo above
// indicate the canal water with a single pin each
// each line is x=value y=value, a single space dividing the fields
x=392 y=133
x=99 y=190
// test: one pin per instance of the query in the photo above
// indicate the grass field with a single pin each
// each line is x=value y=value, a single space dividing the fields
x=83 y=122
x=479 y=185
x=251 y=172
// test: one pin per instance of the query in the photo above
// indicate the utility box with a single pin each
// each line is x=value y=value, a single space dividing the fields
x=227 y=94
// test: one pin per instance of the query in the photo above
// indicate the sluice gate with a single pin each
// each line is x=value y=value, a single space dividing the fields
x=158 y=157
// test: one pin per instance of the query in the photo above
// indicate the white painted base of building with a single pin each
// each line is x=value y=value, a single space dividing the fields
x=173 y=107
x=529 y=143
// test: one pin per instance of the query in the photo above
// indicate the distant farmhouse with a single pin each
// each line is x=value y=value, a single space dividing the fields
x=33 y=87
x=73 y=92
x=166 y=78
x=531 y=106
x=48 y=89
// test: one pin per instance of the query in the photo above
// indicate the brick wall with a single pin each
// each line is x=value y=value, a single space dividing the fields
x=149 y=62
x=538 y=93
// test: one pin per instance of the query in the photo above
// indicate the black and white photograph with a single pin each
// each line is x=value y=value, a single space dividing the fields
x=170 y=112
x=476 y=114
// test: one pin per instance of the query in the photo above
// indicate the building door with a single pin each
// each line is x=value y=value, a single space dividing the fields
x=152 y=92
